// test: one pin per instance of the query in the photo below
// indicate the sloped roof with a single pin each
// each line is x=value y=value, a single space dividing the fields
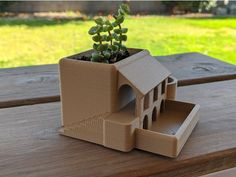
x=143 y=71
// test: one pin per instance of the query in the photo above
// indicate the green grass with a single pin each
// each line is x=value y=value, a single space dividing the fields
x=33 y=42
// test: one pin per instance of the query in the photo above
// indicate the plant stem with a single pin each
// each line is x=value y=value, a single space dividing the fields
x=120 y=36
x=100 y=43
x=109 y=32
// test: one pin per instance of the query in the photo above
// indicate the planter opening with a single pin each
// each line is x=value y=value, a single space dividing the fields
x=86 y=56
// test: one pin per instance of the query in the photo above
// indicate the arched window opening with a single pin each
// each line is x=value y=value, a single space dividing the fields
x=162 y=106
x=154 y=114
x=145 y=122
x=155 y=94
x=125 y=96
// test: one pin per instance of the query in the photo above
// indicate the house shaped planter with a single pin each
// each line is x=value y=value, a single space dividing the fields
x=125 y=105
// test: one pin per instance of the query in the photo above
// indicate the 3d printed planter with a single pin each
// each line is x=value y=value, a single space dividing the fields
x=126 y=105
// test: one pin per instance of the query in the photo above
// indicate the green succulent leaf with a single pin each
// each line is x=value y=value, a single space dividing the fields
x=115 y=24
x=121 y=12
x=107 y=22
x=124 y=30
x=102 y=47
x=96 y=57
x=123 y=47
x=114 y=48
x=105 y=28
x=97 y=38
x=125 y=8
x=104 y=37
x=115 y=36
x=109 y=27
x=99 y=28
x=109 y=38
x=107 y=55
x=116 y=43
x=117 y=31
x=92 y=30
x=99 y=21
x=123 y=38
x=95 y=46
x=120 y=31
x=95 y=29
x=120 y=19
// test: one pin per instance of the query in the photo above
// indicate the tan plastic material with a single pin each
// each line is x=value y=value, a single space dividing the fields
x=126 y=105
x=171 y=88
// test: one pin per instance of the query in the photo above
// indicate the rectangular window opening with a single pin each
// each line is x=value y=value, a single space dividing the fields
x=163 y=87
x=155 y=94
x=146 y=101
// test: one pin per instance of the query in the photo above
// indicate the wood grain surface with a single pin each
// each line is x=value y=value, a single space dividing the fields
x=28 y=85
x=224 y=173
x=39 y=84
x=31 y=146
x=195 y=68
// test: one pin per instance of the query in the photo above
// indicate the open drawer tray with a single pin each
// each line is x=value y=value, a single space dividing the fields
x=170 y=131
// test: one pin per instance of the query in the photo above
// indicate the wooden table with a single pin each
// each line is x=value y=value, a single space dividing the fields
x=225 y=173
x=30 y=119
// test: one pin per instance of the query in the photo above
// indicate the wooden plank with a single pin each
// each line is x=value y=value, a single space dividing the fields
x=30 y=144
x=29 y=85
x=225 y=173
x=196 y=68
x=39 y=84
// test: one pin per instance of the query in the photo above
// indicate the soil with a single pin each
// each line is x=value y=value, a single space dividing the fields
x=113 y=59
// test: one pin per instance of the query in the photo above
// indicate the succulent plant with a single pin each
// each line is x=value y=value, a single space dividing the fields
x=109 y=37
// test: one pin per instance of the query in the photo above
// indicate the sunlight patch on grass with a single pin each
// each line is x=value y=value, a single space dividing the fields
x=33 y=42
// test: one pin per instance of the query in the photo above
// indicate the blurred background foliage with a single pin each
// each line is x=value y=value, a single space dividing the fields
x=32 y=38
